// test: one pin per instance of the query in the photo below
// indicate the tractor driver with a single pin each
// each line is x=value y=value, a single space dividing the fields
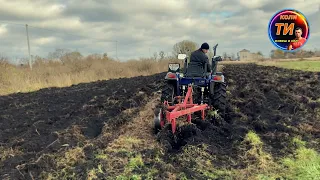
x=199 y=58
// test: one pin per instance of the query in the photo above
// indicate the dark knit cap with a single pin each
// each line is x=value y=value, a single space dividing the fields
x=205 y=46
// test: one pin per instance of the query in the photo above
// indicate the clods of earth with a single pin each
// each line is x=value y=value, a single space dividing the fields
x=98 y=131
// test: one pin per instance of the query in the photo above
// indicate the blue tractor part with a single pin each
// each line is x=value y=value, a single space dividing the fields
x=207 y=88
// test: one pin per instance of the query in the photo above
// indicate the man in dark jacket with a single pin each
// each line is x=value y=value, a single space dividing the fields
x=198 y=60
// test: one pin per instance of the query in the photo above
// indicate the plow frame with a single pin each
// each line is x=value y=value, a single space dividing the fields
x=185 y=106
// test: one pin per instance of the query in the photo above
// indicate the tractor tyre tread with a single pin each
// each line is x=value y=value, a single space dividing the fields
x=167 y=93
x=219 y=98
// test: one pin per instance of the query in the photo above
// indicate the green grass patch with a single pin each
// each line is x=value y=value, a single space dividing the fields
x=194 y=162
x=304 y=165
x=253 y=139
x=298 y=65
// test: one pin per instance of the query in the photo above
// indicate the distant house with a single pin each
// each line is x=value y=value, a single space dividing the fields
x=256 y=56
x=246 y=55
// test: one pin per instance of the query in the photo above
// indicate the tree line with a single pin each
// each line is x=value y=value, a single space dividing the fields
x=279 y=54
x=184 y=47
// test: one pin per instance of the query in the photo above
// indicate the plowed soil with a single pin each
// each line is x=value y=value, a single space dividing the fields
x=42 y=130
x=278 y=104
x=53 y=120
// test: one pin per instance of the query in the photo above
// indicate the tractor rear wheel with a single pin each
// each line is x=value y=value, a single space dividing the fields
x=168 y=94
x=219 y=99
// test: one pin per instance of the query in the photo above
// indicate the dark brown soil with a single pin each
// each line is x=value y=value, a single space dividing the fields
x=43 y=122
x=278 y=104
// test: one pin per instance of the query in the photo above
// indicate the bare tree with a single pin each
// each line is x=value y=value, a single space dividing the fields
x=105 y=55
x=233 y=57
x=3 y=58
x=155 y=55
x=225 y=56
x=71 y=57
x=161 y=54
x=58 y=54
x=24 y=61
x=184 y=47
x=277 y=54
x=317 y=53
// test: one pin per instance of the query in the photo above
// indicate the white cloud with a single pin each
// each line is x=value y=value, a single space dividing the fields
x=253 y=4
x=307 y=7
x=31 y=9
x=155 y=6
x=68 y=23
x=142 y=27
x=3 y=29
x=44 y=40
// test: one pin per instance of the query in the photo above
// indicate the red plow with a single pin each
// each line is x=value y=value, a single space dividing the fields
x=168 y=114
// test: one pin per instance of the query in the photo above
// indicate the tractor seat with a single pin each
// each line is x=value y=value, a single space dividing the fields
x=195 y=70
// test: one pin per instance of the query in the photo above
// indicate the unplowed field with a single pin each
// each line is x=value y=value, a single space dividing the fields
x=103 y=130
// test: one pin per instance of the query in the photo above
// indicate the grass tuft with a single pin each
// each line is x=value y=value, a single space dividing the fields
x=305 y=164
x=253 y=139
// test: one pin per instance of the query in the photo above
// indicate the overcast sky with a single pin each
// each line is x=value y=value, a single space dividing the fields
x=142 y=27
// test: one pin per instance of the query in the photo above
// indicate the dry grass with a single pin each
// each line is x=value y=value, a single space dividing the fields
x=55 y=74
x=126 y=157
x=47 y=73
x=7 y=153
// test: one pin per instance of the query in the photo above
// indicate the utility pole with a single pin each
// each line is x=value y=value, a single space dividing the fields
x=28 y=47
x=117 y=49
